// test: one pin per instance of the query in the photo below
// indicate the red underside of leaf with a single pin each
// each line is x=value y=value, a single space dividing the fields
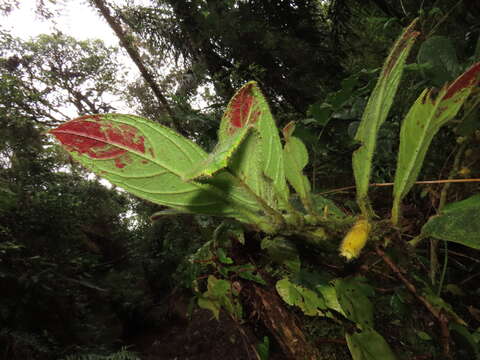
x=100 y=139
x=469 y=78
x=240 y=108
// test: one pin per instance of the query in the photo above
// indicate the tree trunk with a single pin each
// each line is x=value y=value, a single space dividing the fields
x=129 y=46
x=282 y=325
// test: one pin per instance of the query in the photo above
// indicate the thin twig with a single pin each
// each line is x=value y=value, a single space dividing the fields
x=132 y=50
x=444 y=181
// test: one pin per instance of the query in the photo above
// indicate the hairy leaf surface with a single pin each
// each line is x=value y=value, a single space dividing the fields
x=259 y=161
x=427 y=115
x=219 y=158
x=458 y=222
x=376 y=112
x=150 y=161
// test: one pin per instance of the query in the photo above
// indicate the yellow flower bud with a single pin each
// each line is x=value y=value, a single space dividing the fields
x=464 y=171
x=355 y=239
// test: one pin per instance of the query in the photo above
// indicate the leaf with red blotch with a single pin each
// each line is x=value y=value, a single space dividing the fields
x=376 y=112
x=150 y=161
x=240 y=116
x=258 y=160
x=427 y=115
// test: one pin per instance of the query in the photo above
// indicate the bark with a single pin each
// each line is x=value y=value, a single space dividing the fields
x=283 y=325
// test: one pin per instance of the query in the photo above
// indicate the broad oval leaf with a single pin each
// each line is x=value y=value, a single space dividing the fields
x=458 y=222
x=424 y=119
x=439 y=52
x=376 y=112
x=150 y=161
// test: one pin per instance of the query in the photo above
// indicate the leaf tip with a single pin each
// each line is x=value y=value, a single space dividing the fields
x=468 y=79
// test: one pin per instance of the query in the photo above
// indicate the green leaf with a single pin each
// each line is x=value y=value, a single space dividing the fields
x=330 y=297
x=263 y=348
x=440 y=54
x=425 y=118
x=296 y=295
x=248 y=272
x=150 y=161
x=376 y=112
x=249 y=108
x=295 y=157
x=219 y=158
x=217 y=287
x=282 y=251
x=354 y=302
x=465 y=341
x=327 y=207
x=423 y=335
x=458 y=222
x=321 y=113
x=369 y=345
x=212 y=305
x=222 y=256
x=217 y=296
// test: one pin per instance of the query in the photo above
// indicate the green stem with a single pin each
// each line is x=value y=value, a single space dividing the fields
x=444 y=269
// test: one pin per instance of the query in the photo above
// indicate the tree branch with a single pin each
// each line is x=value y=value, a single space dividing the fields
x=126 y=42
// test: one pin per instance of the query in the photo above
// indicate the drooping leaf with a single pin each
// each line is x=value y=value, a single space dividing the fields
x=458 y=222
x=249 y=108
x=150 y=161
x=440 y=54
x=295 y=158
x=376 y=112
x=369 y=345
x=425 y=118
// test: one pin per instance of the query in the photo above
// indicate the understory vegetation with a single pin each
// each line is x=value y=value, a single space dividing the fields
x=293 y=180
